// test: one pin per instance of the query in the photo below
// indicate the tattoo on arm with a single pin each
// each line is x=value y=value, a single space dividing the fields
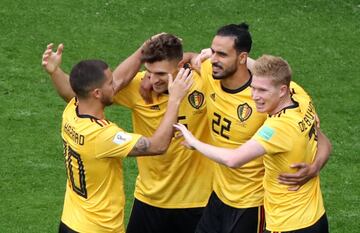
x=141 y=146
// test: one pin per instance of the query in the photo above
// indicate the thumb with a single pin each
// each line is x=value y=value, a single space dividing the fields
x=60 y=49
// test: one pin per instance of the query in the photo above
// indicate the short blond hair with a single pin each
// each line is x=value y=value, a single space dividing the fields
x=273 y=67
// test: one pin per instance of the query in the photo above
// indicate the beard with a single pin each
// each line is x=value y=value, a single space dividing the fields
x=107 y=101
x=223 y=73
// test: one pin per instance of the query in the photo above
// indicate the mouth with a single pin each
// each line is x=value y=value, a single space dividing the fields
x=216 y=68
x=259 y=105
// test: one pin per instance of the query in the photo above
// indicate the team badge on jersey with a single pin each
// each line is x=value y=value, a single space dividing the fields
x=244 y=112
x=196 y=99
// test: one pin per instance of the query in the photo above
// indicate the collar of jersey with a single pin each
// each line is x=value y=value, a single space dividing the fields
x=282 y=111
x=83 y=115
x=243 y=87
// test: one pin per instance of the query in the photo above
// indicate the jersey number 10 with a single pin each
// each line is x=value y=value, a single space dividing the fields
x=75 y=170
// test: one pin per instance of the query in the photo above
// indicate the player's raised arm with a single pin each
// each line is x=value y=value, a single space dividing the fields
x=51 y=62
x=127 y=70
x=159 y=142
x=308 y=171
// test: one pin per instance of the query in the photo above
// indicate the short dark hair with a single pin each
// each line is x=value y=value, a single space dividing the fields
x=87 y=75
x=240 y=32
x=163 y=47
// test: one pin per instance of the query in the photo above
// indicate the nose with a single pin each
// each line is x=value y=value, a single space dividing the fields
x=153 y=78
x=213 y=58
x=254 y=94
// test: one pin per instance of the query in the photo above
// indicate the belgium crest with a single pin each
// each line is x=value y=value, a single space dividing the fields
x=196 y=99
x=244 y=111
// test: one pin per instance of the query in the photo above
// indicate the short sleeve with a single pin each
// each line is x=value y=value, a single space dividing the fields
x=114 y=142
x=275 y=137
x=129 y=95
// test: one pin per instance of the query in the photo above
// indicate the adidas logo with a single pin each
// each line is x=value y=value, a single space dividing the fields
x=212 y=96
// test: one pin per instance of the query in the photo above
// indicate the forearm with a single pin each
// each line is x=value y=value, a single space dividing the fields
x=161 y=138
x=127 y=70
x=227 y=157
x=61 y=83
x=323 y=152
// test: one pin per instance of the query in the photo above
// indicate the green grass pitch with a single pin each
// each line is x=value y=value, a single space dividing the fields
x=319 y=38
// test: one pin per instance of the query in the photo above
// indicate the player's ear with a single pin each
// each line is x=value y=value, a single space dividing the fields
x=283 y=90
x=243 y=57
x=181 y=64
x=97 y=93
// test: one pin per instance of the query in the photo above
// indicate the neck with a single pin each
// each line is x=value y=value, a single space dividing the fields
x=92 y=108
x=236 y=80
x=285 y=102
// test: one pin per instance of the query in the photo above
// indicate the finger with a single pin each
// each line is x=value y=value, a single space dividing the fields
x=288 y=182
x=186 y=73
x=177 y=126
x=49 y=46
x=294 y=188
x=189 y=83
x=44 y=63
x=171 y=80
x=285 y=176
x=179 y=74
x=298 y=165
x=178 y=134
x=60 y=49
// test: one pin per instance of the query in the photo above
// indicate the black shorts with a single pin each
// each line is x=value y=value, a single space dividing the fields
x=145 y=218
x=65 y=229
x=321 y=226
x=221 y=218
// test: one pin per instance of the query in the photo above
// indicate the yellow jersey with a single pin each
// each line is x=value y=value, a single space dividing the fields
x=233 y=120
x=180 y=178
x=93 y=150
x=290 y=137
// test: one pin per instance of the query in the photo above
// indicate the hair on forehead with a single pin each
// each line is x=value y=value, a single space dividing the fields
x=163 y=47
x=273 y=67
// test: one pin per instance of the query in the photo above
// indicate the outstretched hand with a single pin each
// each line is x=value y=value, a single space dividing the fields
x=52 y=60
x=179 y=86
x=204 y=54
x=295 y=180
x=189 y=138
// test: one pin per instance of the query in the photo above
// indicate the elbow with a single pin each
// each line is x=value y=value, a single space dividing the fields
x=232 y=163
x=161 y=150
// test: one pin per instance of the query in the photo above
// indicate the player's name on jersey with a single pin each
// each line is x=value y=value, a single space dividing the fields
x=76 y=137
x=308 y=119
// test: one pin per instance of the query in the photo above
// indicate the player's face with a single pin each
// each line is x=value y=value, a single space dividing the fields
x=107 y=89
x=159 y=74
x=224 y=59
x=265 y=94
